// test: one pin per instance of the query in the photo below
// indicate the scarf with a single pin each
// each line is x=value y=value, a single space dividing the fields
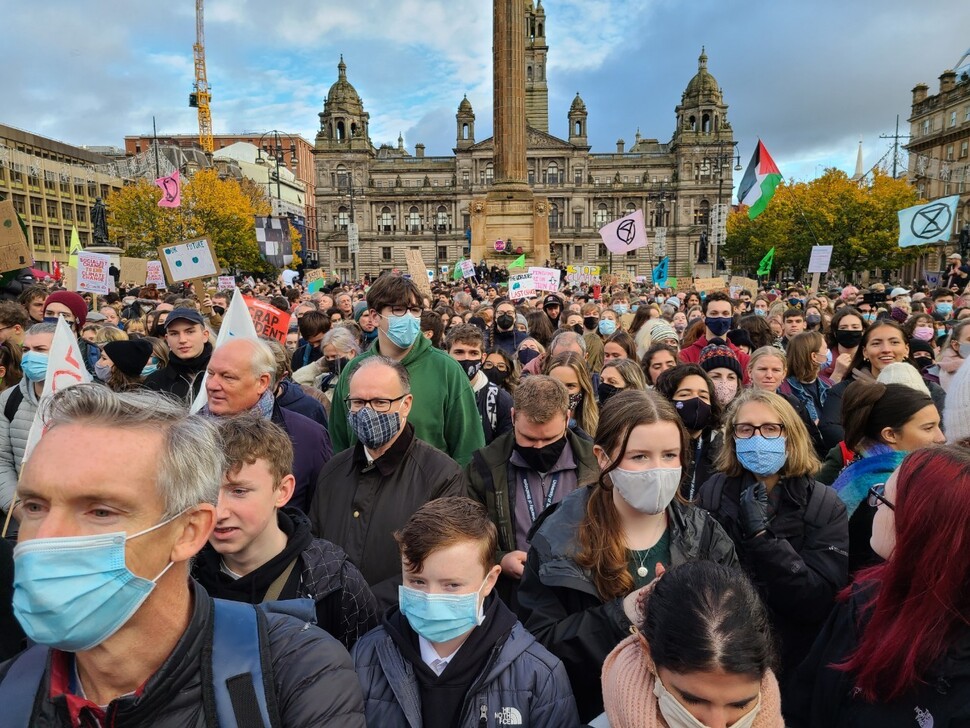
x=263 y=408
x=801 y=391
x=876 y=465
x=628 y=680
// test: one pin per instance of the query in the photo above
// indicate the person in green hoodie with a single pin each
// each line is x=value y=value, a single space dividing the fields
x=445 y=414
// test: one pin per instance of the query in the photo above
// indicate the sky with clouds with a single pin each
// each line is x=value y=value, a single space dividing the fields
x=810 y=79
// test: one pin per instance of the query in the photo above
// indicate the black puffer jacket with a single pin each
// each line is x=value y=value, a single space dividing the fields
x=314 y=677
x=802 y=561
x=558 y=601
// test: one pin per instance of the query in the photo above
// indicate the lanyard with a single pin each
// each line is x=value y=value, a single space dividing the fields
x=693 y=475
x=528 y=496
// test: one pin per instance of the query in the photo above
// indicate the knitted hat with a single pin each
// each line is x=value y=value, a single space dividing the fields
x=73 y=301
x=956 y=414
x=720 y=355
x=904 y=373
x=741 y=337
x=129 y=356
x=898 y=314
x=661 y=331
x=359 y=308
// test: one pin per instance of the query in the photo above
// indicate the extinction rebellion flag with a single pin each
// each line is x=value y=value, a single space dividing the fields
x=759 y=182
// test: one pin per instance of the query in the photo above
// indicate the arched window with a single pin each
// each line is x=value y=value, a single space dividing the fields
x=552 y=173
x=630 y=207
x=341 y=132
x=528 y=73
x=343 y=176
x=702 y=214
x=442 y=218
x=601 y=215
x=464 y=131
x=555 y=223
x=353 y=130
x=579 y=128
x=343 y=217
x=414 y=220
x=489 y=173
x=387 y=220
x=706 y=124
x=693 y=123
x=539 y=32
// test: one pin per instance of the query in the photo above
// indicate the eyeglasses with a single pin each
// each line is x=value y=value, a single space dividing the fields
x=401 y=310
x=378 y=405
x=490 y=365
x=877 y=496
x=769 y=430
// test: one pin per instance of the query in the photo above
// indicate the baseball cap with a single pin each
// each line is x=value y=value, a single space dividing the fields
x=551 y=300
x=954 y=256
x=898 y=292
x=185 y=314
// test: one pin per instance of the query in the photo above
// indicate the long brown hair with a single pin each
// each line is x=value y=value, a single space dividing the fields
x=602 y=546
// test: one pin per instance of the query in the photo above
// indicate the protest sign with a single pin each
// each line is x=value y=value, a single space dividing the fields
x=418 y=271
x=820 y=259
x=312 y=274
x=521 y=286
x=709 y=284
x=92 y=274
x=226 y=283
x=467 y=269
x=268 y=320
x=134 y=270
x=744 y=284
x=14 y=250
x=154 y=274
x=171 y=190
x=583 y=274
x=545 y=279
x=70 y=278
x=188 y=260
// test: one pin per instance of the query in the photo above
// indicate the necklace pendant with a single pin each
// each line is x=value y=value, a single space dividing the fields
x=642 y=571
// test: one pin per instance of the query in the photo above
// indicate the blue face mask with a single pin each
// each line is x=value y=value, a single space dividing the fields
x=870 y=317
x=150 y=368
x=621 y=308
x=761 y=456
x=403 y=330
x=760 y=312
x=441 y=617
x=945 y=308
x=718 y=325
x=607 y=327
x=34 y=365
x=73 y=593
x=661 y=300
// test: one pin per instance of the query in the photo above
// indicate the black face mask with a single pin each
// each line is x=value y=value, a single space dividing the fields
x=574 y=401
x=578 y=328
x=542 y=459
x=591 y=322
x=505 y=322
x=527 y=355
x=604 y=391
x=471 y=366
x=337 y=365
x=922 y=362
x=221 y=310
x=848 y=339
x=496 y=375
x=695 y=412
x=159 y=331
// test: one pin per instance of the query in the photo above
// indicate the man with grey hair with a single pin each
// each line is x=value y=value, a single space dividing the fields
x=562 y=341
x=123 y=636
x=242 y=378
x=369 y=491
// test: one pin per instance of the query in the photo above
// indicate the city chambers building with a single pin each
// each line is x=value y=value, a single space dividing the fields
x=401 y=200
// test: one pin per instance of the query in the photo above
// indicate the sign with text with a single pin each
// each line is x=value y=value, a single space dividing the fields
x=188 y=260
x=583 y=274
x=418 y=271
x=545 y=279
x=14 y=250
x=312 y=274
x=820 y=259
x=709 y=285
x=155 y=274
x=226 y=283
x=92 y=272
x=268 y=320
x=467 y=269
x=745 y=284
x=521 y=286
x=134 y=270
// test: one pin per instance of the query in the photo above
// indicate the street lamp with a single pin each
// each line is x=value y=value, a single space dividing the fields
x=277 y=157
x=727 y=153
x=662 y=196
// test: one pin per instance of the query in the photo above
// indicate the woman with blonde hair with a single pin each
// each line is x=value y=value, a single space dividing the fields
x=570 y=369
x=791 y=533
x=592 y=555
x=617 y=376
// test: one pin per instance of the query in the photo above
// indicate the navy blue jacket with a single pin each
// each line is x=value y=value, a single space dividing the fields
x=293 y=398
x=311 y=451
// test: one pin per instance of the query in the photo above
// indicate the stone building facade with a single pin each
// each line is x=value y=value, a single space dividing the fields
x=402 y=200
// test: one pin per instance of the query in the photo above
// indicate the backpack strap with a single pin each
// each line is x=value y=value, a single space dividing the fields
x=711 y=500
x=18 y=691
x=818 y=498
x=13 y=403
x=237 y=667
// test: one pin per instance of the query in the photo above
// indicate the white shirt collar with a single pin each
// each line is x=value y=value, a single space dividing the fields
x=430 y=657
x=479 y=382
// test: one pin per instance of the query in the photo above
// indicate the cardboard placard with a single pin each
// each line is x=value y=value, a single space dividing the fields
x=92 y=273
x=312 y=274
x=709 y=284
x=134 y=270
x=14 y=249
x=70 y=277
x=155 y=274
x=521 y=286
x=188 y=260
x=467 y=269
x=418 y=271
x=820 y=259
x=745 y=284
x=268 y=320
x=545 y=279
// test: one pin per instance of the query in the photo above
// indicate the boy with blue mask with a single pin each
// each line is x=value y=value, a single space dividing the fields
x=451 y=653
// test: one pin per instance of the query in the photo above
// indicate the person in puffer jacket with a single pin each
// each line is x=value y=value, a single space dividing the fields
x=452 y=655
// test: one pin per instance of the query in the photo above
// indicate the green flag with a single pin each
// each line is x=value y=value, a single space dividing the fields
x=75 y=247
x=456 y=273
x=518 y=262
x=764 y=267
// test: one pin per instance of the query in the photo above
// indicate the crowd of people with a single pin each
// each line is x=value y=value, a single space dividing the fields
x=643 y=507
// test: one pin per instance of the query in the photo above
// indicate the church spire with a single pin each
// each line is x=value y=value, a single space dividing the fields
x=858 y=164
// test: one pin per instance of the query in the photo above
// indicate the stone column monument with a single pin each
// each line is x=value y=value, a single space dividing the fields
x=509 y=210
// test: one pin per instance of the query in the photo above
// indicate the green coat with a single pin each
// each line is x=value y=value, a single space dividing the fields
x=444 y=413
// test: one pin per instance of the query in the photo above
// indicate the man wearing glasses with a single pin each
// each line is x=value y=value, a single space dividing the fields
x=444 y=414
x=366 y=493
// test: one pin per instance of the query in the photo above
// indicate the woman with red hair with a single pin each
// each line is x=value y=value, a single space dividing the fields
x=896 y=652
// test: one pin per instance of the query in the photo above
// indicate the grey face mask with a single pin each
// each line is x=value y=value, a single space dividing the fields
x=965 y=351
x=648 y=491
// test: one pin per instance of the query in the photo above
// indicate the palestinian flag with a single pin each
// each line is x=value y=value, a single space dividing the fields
x=759 y=182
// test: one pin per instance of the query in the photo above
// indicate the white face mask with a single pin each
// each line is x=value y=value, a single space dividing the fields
x=677 y=716
x=648 y=491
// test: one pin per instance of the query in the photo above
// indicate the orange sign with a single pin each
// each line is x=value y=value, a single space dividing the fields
x=268 y=320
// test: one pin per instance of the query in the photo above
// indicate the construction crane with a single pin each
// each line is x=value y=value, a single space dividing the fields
x=201 y=97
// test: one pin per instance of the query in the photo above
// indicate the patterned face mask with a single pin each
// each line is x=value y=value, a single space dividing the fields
x=374 y=429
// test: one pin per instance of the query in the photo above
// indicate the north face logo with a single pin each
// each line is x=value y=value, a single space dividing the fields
x=508 y=716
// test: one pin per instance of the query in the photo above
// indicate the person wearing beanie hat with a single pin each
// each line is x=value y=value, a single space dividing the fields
x=122 y=362
x=68 y=305
x=956 y=417
x=366 y=322
x=741 y=339
x=902 y=372
x=922 y=354
x=724 y=368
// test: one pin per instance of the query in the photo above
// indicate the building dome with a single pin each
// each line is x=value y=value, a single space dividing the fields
x=465 y=105
x=577 y=105
x=703 y=84
x=342 y=94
